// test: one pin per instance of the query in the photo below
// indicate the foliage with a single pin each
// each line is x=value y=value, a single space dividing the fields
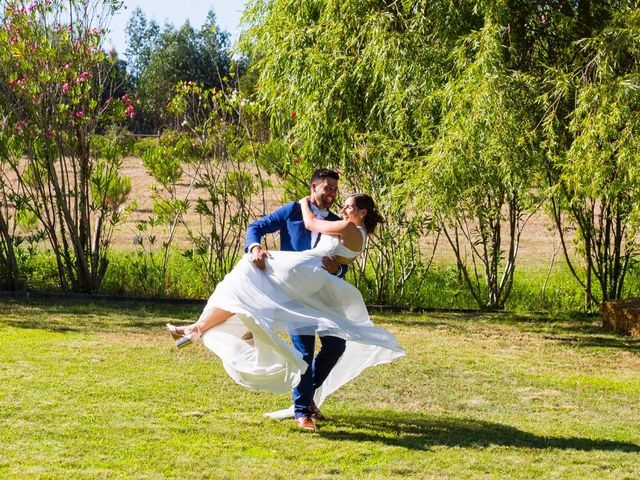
x=164 y=163
x=10 y=208
x=143 y=38
x=337 y=81
x=214 y=157
x=143 y=144
x=591 y=130
x=451 y=99
x=160 y=59
x=460 y=118
x=53 y=85
x=137 y=272
x=229 y=132
x=481 y=169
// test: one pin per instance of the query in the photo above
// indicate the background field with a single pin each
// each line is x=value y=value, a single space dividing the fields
x=539 y=241
x=99 y=391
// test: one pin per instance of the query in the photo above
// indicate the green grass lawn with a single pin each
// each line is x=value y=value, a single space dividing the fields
x=99 y=391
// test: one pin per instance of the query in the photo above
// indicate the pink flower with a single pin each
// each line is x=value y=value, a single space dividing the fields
x=19 y=126
x=67 y=66
x=79 y=114
x=65 y=87
x=130 y=112
x=129 y=107
x=83 y=77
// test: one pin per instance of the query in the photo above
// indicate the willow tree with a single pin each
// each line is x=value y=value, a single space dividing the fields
x=345 y=82
x=592 y=130
x=478 y=176
x=54 y=88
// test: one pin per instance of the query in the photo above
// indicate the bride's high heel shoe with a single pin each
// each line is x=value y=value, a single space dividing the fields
x=189 y=338
x=173 y=330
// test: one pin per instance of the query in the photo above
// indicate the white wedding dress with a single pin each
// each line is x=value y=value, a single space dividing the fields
x=293 y=294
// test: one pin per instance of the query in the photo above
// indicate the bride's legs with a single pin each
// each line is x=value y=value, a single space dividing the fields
x=210 y=320
x=191 y=332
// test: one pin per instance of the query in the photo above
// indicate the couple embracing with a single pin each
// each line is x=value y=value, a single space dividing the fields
x=297 y=290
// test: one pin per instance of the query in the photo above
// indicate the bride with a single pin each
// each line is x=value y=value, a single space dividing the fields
x=294 y=293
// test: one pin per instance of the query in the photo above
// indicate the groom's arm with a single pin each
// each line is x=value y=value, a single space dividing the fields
x=270 y=223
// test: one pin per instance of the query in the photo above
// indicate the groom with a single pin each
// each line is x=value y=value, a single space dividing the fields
x=287 y=220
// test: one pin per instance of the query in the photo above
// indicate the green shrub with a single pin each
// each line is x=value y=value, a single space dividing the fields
x=136 y=273
x=182 y=144
x=140 y=274
x=38 y=271
x=141 y=145
x=114 y=138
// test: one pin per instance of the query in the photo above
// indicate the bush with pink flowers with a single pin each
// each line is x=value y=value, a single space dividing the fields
x=56 y=84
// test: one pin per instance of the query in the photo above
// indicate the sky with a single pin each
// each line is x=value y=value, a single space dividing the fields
x=176 y=12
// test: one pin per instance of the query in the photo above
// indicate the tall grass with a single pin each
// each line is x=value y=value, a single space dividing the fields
x=132 y=274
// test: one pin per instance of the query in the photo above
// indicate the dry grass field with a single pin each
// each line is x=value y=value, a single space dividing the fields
x=539 y=241
x=142 y=184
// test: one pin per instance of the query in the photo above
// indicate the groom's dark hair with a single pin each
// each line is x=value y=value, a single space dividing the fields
x=322 y=173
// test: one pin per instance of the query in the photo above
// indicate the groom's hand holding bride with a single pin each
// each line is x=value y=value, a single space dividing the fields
x=330 y=265
x=259 y=255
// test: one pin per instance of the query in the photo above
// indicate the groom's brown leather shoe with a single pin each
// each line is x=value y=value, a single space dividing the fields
x=315 y=412
x=306 y=423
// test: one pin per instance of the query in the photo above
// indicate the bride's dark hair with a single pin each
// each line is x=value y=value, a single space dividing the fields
x=373 y=217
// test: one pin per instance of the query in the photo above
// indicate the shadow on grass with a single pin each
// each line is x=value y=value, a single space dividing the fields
x=614 y=341
x=578 y=332
x=420 y=432
x=574 y=330
x=64 y=315
x=69 y=316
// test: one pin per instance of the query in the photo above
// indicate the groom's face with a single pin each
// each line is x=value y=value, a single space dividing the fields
x=324 y=192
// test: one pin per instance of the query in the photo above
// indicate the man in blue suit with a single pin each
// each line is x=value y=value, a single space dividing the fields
x=287 y=220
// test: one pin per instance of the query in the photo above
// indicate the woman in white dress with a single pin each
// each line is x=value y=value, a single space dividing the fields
x=250 y=307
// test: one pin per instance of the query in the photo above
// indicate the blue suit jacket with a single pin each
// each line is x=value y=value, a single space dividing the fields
x=287 y=220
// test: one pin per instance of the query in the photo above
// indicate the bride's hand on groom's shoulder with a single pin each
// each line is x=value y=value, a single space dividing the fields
x=304 y=200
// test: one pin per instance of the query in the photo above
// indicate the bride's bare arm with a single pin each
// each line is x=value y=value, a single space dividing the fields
x=338 y=227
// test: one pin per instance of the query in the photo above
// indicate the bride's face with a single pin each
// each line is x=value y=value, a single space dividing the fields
x=351 y=212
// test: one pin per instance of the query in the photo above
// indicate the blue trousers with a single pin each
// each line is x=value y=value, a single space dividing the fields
x=330 y=352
